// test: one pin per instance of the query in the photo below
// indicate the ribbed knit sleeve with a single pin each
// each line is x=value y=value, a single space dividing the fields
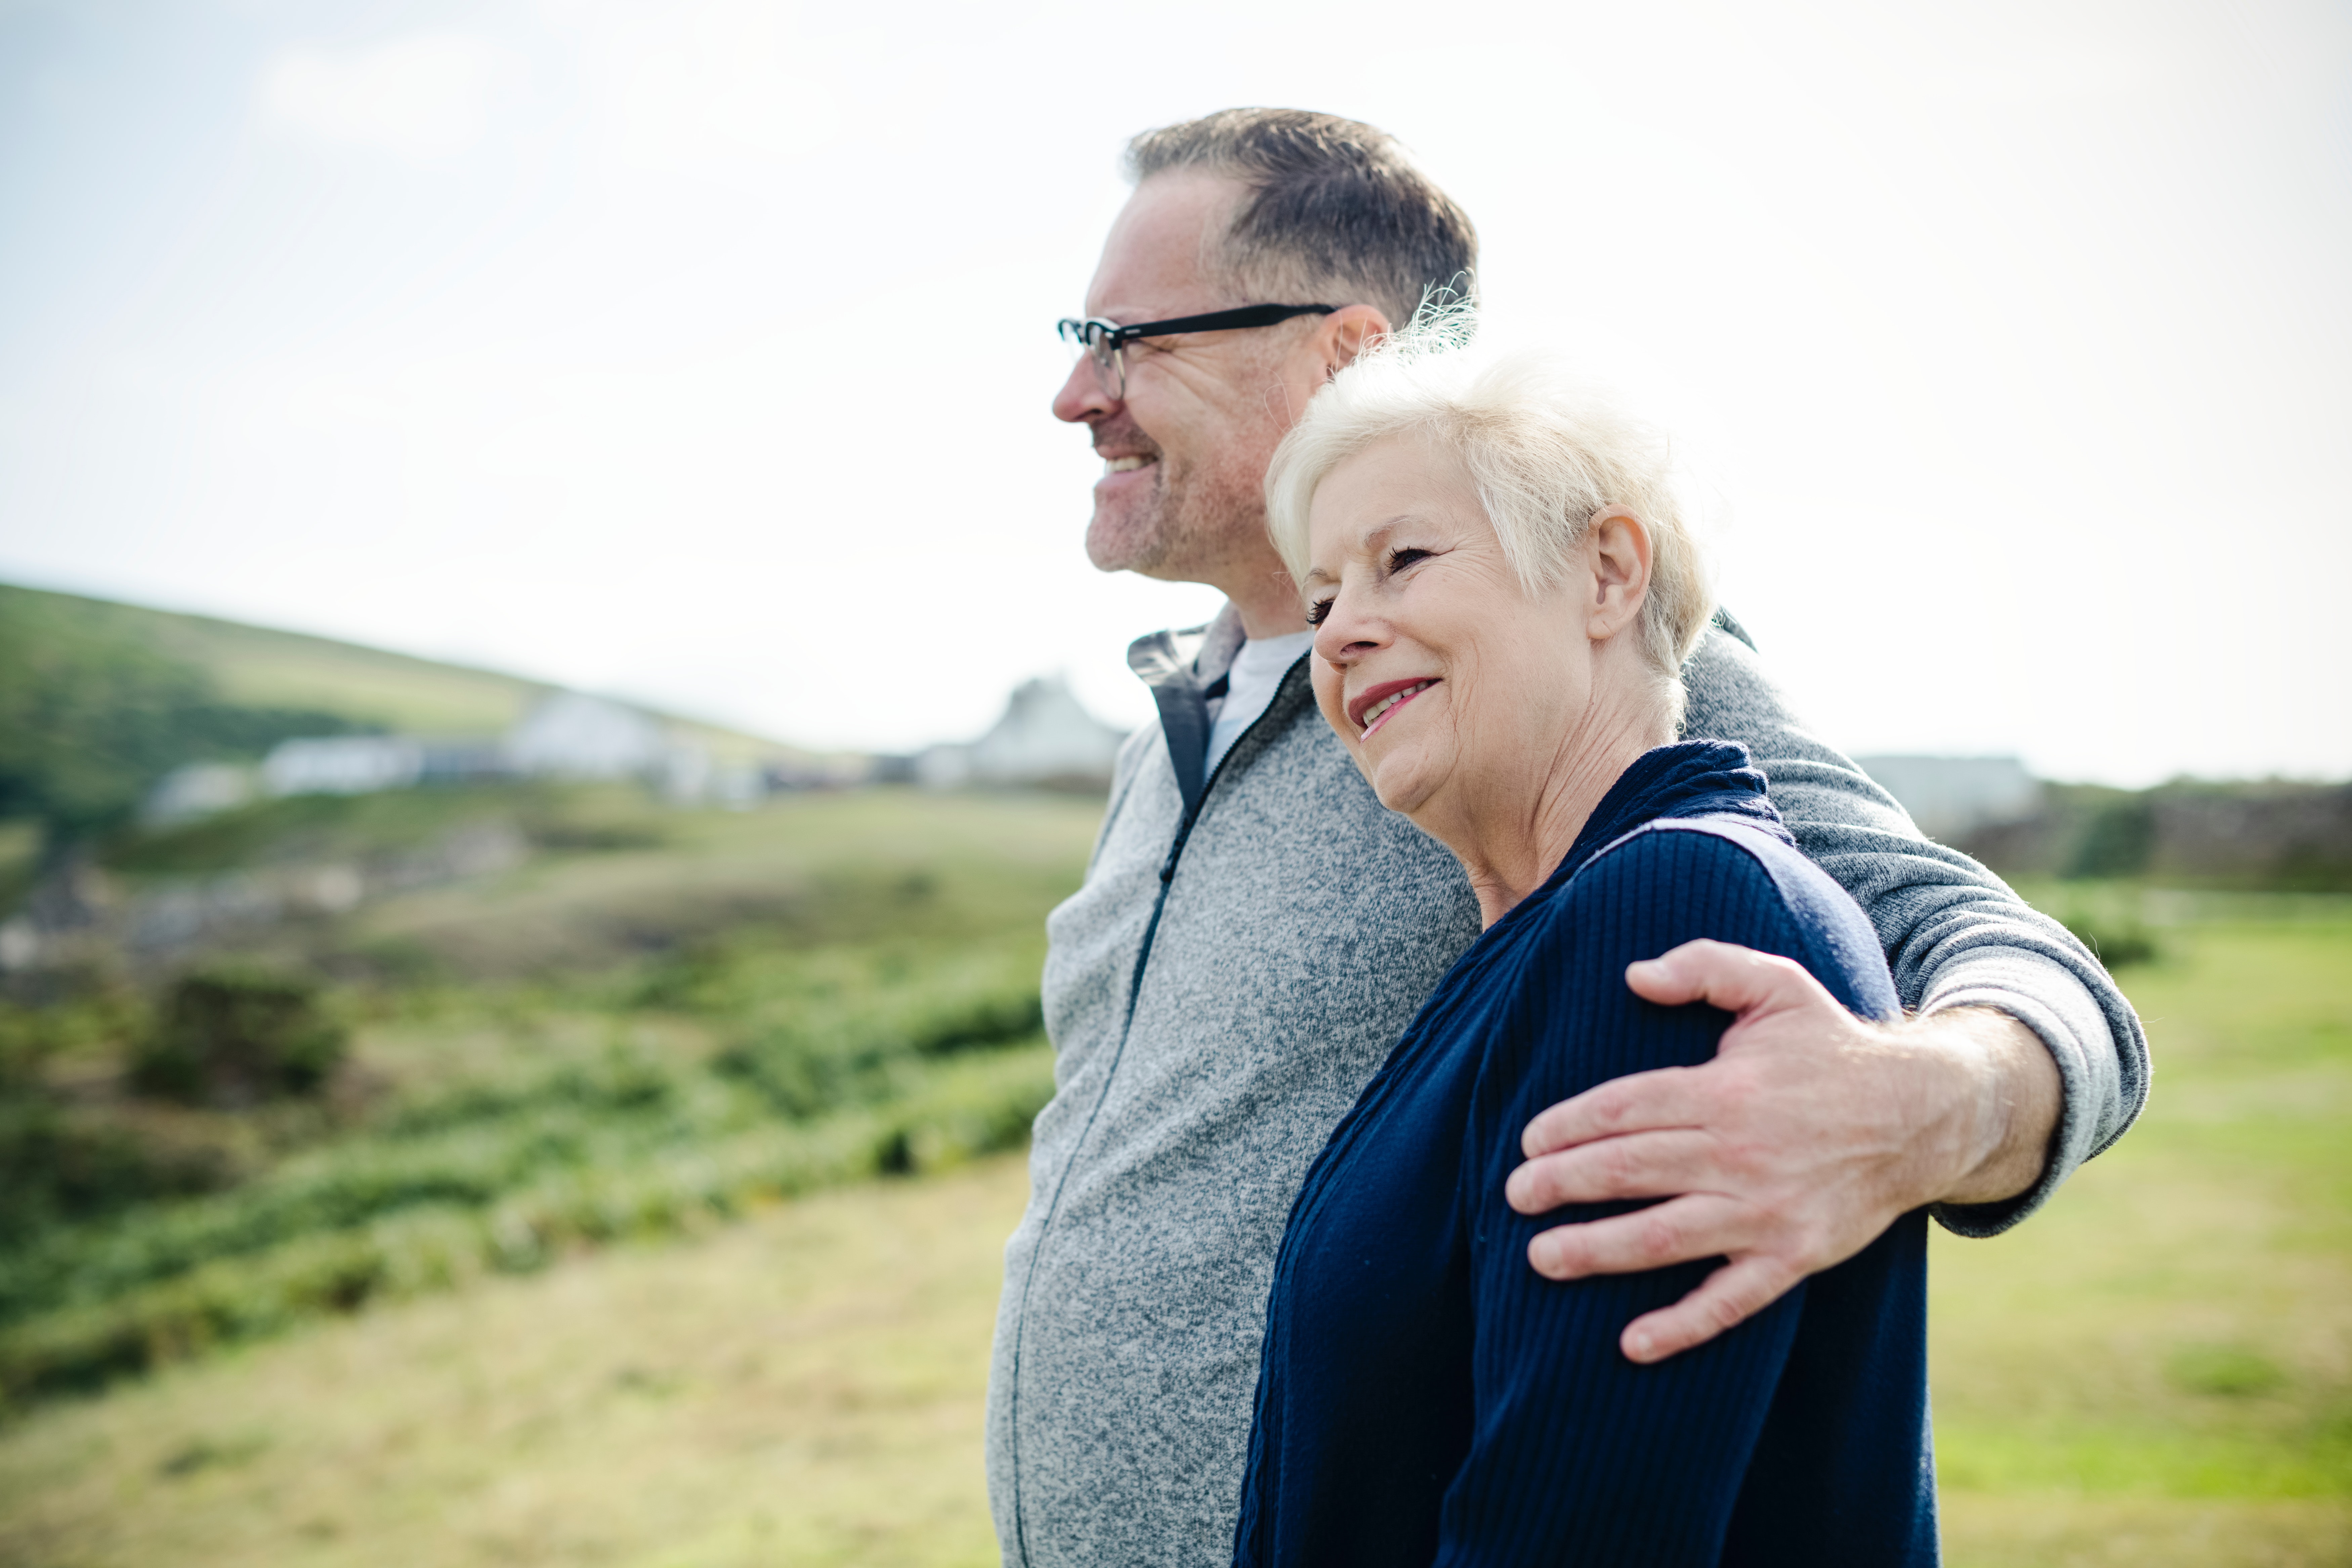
x=1577 y=1454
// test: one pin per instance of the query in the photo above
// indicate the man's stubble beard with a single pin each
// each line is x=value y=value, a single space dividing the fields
x=1195 y=520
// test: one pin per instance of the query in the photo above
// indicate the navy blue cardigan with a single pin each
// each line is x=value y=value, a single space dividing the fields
x=1424 y=1396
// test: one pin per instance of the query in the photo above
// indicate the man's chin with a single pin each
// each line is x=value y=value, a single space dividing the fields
x=1125 y=543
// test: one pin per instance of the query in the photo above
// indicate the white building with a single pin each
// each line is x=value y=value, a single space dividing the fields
x=1949 y=797
x=1045 y=737
x=342 y=764
x=565 y=735
x=945 y=766
x=570 y=734
x=198 y=790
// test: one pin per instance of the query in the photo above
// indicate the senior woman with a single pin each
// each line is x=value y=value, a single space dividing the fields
x=1503 y=593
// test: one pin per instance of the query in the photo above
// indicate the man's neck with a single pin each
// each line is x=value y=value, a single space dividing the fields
x=1267 y=604
x=1250 y=575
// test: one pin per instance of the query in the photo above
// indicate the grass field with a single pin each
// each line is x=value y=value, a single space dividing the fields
x=2158 y=1370
x=663 y=1020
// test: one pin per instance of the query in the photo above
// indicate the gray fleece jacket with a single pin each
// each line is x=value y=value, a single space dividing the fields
x=1243 y=954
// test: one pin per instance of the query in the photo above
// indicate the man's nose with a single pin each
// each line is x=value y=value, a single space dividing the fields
x=1083 y=400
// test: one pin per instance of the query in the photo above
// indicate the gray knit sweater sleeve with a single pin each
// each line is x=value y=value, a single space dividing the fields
x=1955 y=936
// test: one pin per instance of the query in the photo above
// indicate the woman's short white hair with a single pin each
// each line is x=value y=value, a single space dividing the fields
x=1543 y=453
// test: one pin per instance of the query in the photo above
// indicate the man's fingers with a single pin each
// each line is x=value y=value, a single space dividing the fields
x=1639 y=1103
x=1735 y=979
x=1662 y=1164
x=1699 y=1226
x=1730 y=1296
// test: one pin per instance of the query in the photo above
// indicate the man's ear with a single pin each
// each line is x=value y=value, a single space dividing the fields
x=1617 y=553
x=1347 y=332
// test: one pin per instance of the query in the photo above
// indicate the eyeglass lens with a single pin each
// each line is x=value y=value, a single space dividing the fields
x=1093 y=342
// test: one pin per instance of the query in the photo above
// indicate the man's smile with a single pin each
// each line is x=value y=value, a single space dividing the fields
x=1125 y=470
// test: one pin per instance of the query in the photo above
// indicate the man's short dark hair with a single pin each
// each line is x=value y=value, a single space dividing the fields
x=1336 y=212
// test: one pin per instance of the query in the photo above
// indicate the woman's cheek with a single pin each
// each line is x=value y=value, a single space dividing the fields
x=1327 y=697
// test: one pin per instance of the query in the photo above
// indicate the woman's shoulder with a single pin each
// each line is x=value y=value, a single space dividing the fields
x=1663 y=873
x=1727 y=877
x=1737 y=850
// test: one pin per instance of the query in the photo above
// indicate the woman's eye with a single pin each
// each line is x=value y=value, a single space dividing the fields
x=1401 y=558
x=1317 y=611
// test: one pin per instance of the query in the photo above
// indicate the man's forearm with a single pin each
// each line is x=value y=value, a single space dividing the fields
x=2004 y=1107
x=1958 y=940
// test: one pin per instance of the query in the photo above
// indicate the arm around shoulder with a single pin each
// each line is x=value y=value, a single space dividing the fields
x=1579 y=1451
x=1957 y=937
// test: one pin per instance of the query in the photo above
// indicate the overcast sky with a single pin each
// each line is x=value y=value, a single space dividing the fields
x=702 y=352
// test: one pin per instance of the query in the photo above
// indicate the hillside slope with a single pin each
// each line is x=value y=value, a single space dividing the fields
x=98 y=699
x=263 y=667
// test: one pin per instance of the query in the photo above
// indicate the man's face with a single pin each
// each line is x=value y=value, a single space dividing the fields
x=1185 y=451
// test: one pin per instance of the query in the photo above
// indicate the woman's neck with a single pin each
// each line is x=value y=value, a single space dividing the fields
x=1509 y=847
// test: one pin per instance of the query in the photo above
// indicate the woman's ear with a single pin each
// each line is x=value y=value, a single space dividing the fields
x=1617 y=553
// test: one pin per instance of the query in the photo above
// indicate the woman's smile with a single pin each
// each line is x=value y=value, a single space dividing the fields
x=1411 y=591
x=1372 y=708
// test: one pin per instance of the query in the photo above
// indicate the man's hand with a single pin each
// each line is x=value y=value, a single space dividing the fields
x=1809 y=1133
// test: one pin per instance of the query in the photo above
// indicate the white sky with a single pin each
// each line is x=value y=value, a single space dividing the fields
x=702 y=352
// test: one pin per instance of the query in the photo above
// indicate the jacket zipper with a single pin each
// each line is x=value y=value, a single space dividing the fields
x=1111 y=1076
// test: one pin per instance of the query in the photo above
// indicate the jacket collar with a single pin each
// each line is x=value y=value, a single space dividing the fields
x=1690 y=778
x=1195 y=655
x=1180 y=667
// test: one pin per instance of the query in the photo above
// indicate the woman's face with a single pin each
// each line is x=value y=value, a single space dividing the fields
x=1457 y=690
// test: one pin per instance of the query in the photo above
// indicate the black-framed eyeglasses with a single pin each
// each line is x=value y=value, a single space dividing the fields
x=1105 y=342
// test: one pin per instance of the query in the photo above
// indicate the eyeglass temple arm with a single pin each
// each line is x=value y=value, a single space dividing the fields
x=1218 y=320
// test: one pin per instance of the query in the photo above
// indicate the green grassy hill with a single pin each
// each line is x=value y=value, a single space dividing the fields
x=259 y=666
x=99 y=700
x=264 y=668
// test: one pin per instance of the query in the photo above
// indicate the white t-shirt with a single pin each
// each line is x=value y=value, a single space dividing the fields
x=1257 y=672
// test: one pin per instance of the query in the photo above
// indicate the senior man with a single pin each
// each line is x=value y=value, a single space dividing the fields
x=1254 y=930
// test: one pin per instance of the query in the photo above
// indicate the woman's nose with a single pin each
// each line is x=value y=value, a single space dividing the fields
x=1345 y=636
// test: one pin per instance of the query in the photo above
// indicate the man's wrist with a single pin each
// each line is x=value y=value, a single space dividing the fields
x=1998 y=1144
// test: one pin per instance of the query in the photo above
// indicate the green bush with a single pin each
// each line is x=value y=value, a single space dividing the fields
x=854 y=1038
x=62 y=1163
x=2117 y=840
x=334 y=1188
x=2229 y=1371
x=950 y=1111
x=840 y=1028
x=230 y=1037
x=59 y=1167
x=2116 y=944
x=832 y=1063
